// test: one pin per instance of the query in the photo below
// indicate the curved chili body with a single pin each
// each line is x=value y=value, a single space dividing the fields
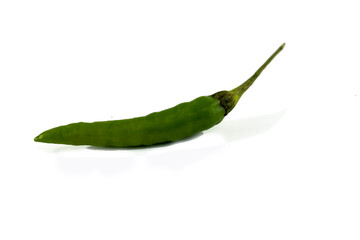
x=181 y=121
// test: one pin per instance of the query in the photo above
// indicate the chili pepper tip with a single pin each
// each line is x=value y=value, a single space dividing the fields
x=37 y=138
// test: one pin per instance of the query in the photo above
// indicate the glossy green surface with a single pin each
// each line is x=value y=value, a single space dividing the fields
x=181 y=121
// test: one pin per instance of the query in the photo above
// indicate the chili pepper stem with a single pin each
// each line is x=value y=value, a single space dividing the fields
x=238 y=91
x=229 y=99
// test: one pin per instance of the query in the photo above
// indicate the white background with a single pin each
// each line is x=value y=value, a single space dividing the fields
x=284 y=164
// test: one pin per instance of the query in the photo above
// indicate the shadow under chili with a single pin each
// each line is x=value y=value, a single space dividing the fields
x=243 y=128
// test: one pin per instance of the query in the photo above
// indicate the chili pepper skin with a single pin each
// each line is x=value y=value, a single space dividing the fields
x=169 y=125
x=179 y=122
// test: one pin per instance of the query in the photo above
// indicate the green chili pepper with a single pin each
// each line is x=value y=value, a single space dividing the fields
x=181 y=121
